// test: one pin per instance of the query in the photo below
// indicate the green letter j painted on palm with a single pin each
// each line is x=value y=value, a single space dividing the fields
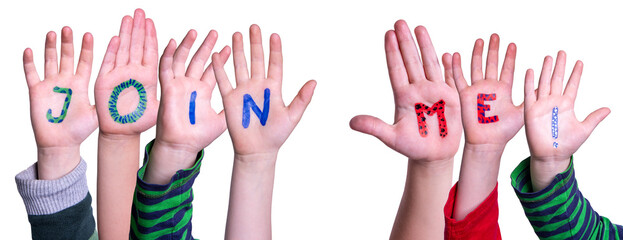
x=60 y=118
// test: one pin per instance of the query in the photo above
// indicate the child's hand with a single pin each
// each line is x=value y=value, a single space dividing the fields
x=62 y=117
x=125 y=90
x=186 y=121
x=416 y=82
x=490 y=120
x=503 y=120
x=257 y=118
x=552 y=129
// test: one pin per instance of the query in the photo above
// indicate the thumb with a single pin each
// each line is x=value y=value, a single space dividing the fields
x=593 y=119
x=375 y=127
x=299 y=103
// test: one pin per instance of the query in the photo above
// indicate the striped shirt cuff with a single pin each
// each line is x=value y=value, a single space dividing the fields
x=44 y=197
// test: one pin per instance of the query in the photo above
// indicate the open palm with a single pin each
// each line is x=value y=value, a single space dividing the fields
x=176 y=124
x=259 y=136
x=488 y=129
x=539 y=109
x=416 y=80
x=132 y=58
x=69 y=121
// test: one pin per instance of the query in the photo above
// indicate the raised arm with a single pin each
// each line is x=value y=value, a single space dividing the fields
x=54 y=189
x=427 y=130
x=545 y=183
x=125 y=99
x=259 y=123
x=490 y=120
x=186 y=124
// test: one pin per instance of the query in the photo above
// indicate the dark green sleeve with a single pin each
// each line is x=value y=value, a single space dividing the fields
x=75 y=222
x=559 y=211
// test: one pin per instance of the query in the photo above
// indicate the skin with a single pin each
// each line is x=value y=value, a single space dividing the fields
x=132 y=54
x=58 y=144
x=177 y=140
x=418 y=79
x=484 y=143
x=256 y=147
x=545 y=160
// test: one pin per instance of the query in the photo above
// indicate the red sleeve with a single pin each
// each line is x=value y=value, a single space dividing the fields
x=480 y=224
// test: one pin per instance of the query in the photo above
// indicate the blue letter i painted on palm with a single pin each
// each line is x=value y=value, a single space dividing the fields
x=555 y=126
x=248 y=104
x=191 y=108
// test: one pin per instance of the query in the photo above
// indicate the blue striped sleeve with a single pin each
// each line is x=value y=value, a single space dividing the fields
x=164 y=211
x=560 y=211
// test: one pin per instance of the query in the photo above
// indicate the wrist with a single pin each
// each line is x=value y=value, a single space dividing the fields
x=56 y=162
x=433 y=165
x=256 y=162
x=544 y=170
x=165 y=159
x=118 y=137
x=488 y=152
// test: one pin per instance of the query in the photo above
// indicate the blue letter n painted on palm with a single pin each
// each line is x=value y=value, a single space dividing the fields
x=249 y=104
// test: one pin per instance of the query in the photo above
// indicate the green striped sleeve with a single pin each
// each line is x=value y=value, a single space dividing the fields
x=559 y=211
x=164 y=211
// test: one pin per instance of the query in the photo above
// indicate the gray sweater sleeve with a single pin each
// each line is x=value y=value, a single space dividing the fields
x=44 y=197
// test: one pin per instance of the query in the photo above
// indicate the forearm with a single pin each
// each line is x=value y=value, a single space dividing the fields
x=166 y=159
x=118 y=161
x=543 y=171
x=250 y=198
x=420 y=215
x=479 y=174
x=56 y=162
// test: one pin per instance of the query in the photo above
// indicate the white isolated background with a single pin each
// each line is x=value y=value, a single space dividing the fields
x=332 y=182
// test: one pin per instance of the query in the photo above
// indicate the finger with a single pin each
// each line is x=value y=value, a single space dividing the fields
x=224 y=85
x=429 y=56
x=409 y=52
x=67 y=51
x=138 y=37
x=166 y=63
x=491 y=70
x=275 y=59
x=257 y=53
x=375 y=127
x=30 y=71
x=240 y=62
x=299 y=103
x=208 y=74
x=529 y=93
x=108 y=63
x=181 y=54
x=544 y=80
x=150 y=49
x=198 y=62
x=477 y=61
x=125 y=33
x=457 y=71
x=446 y=59
x=396 y=68
x=571 y=90
x=51 y=64
x=508 y=68
x=559 y=74
x=85 y=62
x=593 y=119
